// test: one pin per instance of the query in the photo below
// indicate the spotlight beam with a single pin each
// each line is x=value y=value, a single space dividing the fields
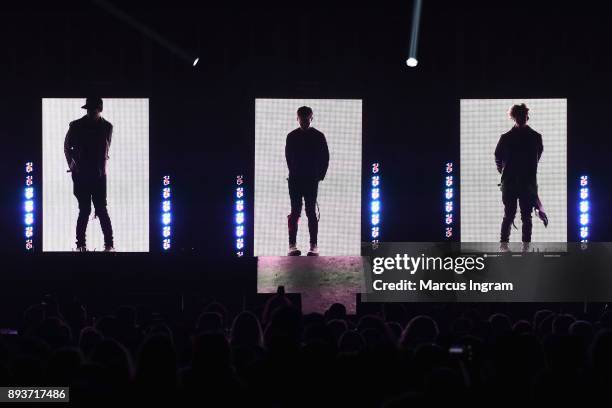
x=126 y=18
x=414 y=35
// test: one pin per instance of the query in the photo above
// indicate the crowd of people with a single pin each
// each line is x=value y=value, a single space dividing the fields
x=282 y=357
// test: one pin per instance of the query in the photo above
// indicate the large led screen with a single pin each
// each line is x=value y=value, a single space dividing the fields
x=89 y=162
x=483 y=122
x=335 y=201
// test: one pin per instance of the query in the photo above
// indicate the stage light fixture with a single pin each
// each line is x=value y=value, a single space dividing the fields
x=414 y=36
x=375 y=232
x=239 y=216
x=28 y=206
x=375 y=194
x=375 y=204
x=145 y=30
x=166 y=213
x=449 y=204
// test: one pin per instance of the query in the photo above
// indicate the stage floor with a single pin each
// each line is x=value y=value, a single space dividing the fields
x=322 y=280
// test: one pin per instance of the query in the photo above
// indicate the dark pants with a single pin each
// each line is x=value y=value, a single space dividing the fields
x=303 y=189
x=525 y=195
x=88 y=189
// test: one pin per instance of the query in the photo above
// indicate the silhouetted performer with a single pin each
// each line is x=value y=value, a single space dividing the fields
x=307 y=159
x=517 y=155
x=86 y=148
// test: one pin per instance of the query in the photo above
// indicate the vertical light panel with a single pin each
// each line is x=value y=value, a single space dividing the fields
x=339 y=194
x=483 y=121
x=375 y=204
x=449 y=201
x=166 y=213
x=28 y=206
x=127 y=179
x=584 y=208
x=239 y=230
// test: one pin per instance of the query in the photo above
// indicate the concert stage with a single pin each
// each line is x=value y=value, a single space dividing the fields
x=177 y=282
x=179 y=285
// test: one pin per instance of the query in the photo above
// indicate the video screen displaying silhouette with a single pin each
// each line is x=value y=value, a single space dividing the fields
x=523 y=171
x=308 y=177
x=95 y=174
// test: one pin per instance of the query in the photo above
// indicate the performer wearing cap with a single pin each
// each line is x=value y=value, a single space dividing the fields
x=86 y=148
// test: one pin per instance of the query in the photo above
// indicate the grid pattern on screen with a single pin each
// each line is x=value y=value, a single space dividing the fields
x=127 y=176
x=483 y=121
x=339 y=195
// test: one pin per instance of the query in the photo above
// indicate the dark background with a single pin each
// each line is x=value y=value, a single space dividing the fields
x=202 y=119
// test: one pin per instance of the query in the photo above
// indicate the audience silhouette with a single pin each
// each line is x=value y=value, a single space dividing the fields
x=286 y=358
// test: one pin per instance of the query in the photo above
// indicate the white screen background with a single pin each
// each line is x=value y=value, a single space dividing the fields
x=483 y=121
x=127 y=176
x=339 y=195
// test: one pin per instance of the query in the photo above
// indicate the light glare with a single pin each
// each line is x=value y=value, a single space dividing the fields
x=412 y=62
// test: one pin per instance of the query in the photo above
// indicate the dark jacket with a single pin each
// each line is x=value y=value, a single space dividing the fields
x=517 y=155
x=86 y=146
x=307 y=154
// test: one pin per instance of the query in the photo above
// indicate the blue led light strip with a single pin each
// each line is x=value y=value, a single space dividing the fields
x=584 y=208
x=449 y=201
x=239 y=217
x=28 y=207
x=166 y=214
x=375 y=204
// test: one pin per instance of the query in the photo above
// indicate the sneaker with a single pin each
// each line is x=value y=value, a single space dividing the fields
x=504 y=247
x=293 y=251
x=109 y=248
x=526 y=247
x=314 y=250
x=81 y=248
